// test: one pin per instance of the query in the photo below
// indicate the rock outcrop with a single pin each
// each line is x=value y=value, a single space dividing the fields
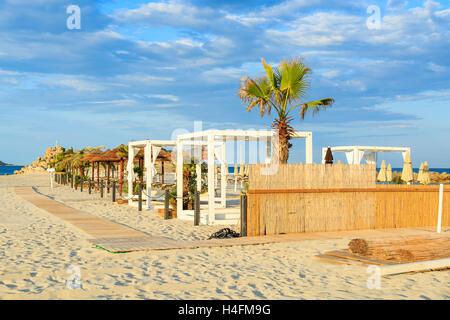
x=42 y=163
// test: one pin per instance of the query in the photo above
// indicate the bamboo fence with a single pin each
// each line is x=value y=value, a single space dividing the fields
x=317 y=197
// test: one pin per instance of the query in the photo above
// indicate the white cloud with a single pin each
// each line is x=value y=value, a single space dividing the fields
x=165 y=97
x=79 y=85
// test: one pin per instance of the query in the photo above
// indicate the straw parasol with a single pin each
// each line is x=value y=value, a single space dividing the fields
x=420 y=175
x=382 y=174
x=389 y=173
x=407 y=173
x=426 y=173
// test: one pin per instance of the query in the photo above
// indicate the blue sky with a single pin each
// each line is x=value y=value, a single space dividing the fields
x=138 y=70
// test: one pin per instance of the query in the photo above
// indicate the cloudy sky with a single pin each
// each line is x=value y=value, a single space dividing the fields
x=138 y=70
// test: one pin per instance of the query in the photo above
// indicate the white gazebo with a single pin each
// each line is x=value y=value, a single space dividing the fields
x=355 y=154
x=215 y=141
x=151 y=151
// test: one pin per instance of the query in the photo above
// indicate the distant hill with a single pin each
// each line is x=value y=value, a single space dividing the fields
x=4 y=164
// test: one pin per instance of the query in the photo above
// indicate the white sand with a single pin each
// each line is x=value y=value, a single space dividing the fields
x=36 y=249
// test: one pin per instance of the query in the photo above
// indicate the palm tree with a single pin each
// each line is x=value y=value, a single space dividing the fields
x=282 y=88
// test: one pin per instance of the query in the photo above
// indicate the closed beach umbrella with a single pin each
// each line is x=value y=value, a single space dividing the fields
x=241 y=169
x=235 y=169
x=420 y=175
x=426 y=173
x=246 y=170
x=407 y=173
x=389 y=173
x=339 y=162
x=329 y=156
x=382 y=173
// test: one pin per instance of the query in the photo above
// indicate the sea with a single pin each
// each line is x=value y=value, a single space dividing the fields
x=9 y=169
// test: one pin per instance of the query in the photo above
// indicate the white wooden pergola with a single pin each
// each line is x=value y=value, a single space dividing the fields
x=215 y=142
x=354 y=154
x=151 y=151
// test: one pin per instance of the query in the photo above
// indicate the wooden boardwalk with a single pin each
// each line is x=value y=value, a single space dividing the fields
x=115 y=237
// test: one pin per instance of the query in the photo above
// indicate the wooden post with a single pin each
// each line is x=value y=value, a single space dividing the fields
x=197 y=208
x=101 y=188
x=114 y=191
x=141 y=165
x=166 y=204
x=179 y=177
x=76 y=182
x=98 y=175
x=90 y=186
x=107 y=179
x=162 y=172
x=243 y=215
x=211 y=191
x=140 y=197
x=81 y=184
x=93 y=171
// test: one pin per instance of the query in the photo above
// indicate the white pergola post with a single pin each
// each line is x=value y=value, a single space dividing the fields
x=148 y=164
x=268 y=150
x=179 y=177
x=211 y=191
x=223 y=177
x=309 y=148
x=130 y=166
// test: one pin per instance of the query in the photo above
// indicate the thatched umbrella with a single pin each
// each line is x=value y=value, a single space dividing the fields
x=109 y=157
x=389 y=173
x=426 y=173
x=382 y=174
x=89 y=158
x=407 y=173
x=96 y=159
x=420 y=174
x=163 y=156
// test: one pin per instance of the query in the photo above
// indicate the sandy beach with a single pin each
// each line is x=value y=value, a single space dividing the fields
x=37 y=248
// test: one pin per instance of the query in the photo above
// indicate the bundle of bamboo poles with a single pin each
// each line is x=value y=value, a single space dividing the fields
x=404 y=249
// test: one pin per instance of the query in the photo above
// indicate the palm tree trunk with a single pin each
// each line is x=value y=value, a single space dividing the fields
x=284 y=135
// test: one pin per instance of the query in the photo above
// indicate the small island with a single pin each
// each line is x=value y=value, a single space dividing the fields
x=5 y=164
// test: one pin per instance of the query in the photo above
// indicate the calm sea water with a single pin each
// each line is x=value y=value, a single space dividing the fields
x=9 y=169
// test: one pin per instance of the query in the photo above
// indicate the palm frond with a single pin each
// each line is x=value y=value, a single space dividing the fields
x=316 y=106
x=294 y=79
x=256 y=93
